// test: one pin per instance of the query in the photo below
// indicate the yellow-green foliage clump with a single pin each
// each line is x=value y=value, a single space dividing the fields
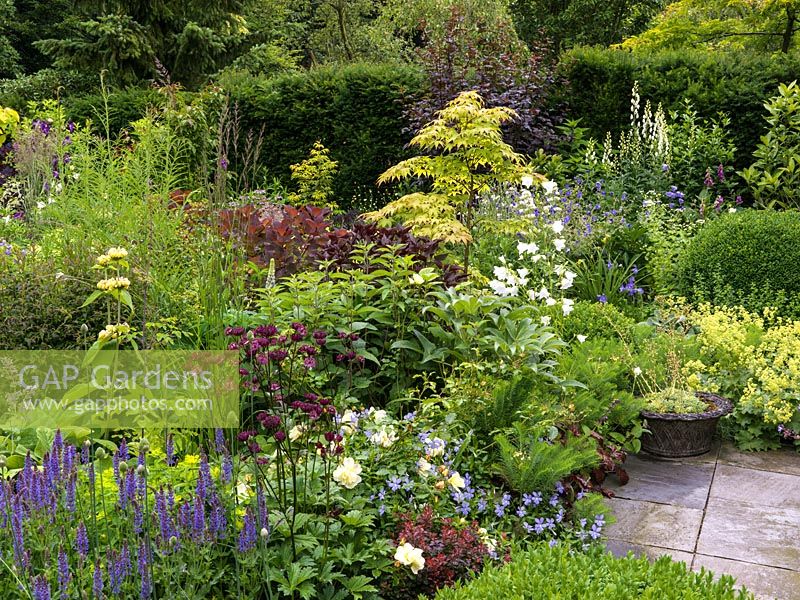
x=314 y=178
x=465 y=157
x=754 y=359
x=9 y=121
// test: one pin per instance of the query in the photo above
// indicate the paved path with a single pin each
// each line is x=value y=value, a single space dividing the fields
x=728 y=511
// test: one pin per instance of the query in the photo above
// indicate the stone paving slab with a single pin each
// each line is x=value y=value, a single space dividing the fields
x=756 y=488
x=777 y=461
x=765 y=582
x=621 y=548
x=673 y=483
x=748 y=527
x=759 y=535
x=651 y=524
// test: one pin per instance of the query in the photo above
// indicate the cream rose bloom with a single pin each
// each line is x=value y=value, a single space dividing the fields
x=456 y=481
x=348 y=474
x=409 y=556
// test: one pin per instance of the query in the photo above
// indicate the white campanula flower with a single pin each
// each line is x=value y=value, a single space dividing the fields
x=545 y=320
x=550 y=187
x=523 y=248
x=408 y=555
x=560 y=244
x=527 y=181
x=501 y=273
x=543 y=293
x=557 y=226
x=567 y=279
x=567 y=305
x=501 y=289
x=637 y=371
x=348 y=473
x=581 y=338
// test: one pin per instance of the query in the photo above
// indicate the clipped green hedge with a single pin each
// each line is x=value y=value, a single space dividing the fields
x=749 y=258
x=124 y=106
x=355 y=110
x=544 y=573
x=737 y=83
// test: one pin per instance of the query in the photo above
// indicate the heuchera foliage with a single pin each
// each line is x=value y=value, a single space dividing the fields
x=299 y=238
x=489 y=58
x=451 y=552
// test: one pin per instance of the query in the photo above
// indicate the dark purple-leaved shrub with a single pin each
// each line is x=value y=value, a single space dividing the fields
x=300 y=238
x=452 y=552
x=424 y=251
x=488 y=57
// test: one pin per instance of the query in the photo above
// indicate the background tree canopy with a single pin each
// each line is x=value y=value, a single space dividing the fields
x=764 y=25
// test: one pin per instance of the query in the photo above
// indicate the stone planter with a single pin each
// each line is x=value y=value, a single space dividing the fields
x=680 y=435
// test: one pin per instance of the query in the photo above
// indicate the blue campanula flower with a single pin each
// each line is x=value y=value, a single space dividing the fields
x=532 y=499
x=500 y=507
